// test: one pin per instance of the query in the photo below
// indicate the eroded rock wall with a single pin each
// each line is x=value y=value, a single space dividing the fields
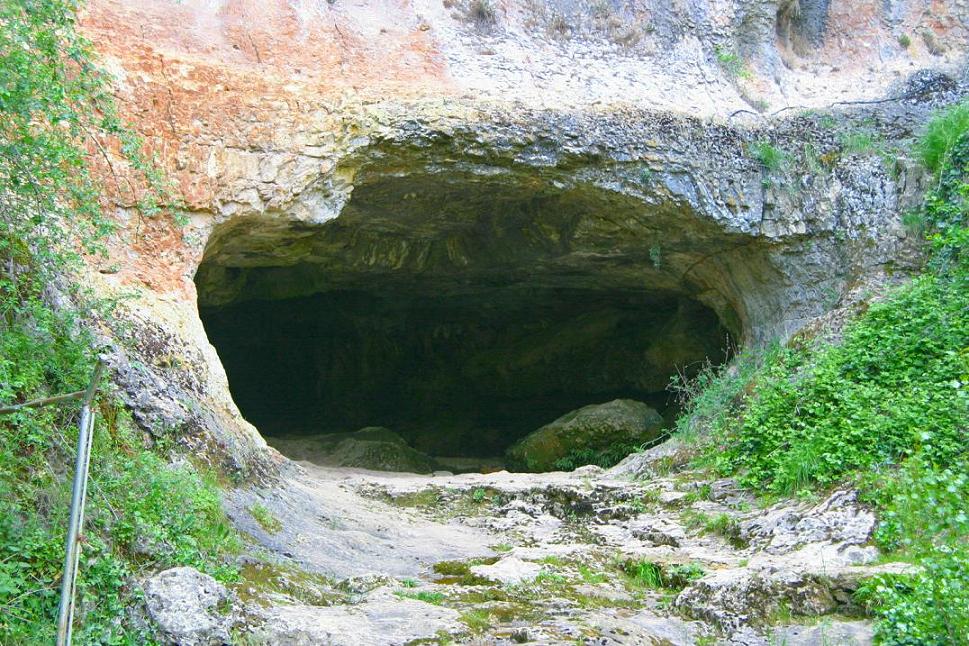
x=294 y=129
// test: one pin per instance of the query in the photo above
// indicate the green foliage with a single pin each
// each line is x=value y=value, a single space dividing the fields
x=770 y=156
x=712 y=398
x=591 y=576
x=433 y=598
x=723 y=525
x=731 y=63
x=861 y=142
x=55 y=107
x=924 y=518
x=660 y=576
x=885 y=391
x=644 y=574
x=605 y=458
x=941 y=136
x=904 y=41
x=478 y=621
x=265 y=518
x=143 y=514
x=886 y=406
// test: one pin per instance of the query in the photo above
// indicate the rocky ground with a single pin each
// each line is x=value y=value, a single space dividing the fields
x=640 y=554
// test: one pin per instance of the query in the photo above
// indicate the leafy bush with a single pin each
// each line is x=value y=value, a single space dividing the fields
x=924 y=518
x=712 y=398
x=605 y=458
x=886 y=406
x=891 y=387
x=142 y=513
x=941 y=136
x=770 y=156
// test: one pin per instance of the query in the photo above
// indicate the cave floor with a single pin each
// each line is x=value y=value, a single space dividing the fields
x=633 y=555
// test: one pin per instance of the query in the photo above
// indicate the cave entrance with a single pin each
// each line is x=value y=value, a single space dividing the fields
x=455 y=375
x=461 y=312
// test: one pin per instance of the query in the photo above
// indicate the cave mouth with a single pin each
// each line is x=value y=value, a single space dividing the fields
x=463 y=307
x=461 y=375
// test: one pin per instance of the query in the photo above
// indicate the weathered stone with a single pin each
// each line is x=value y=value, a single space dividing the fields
x=381 y=619
x=658 y=531
x=372 y=447
x=646 y=628
x=188 y=607
x=508 y=571
x=786 y=527
x=594 y=427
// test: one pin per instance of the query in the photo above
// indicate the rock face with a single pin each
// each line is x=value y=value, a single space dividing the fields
x=572 y=545
x=373 y=447
x=592 y=428
x=508 y=571
x=537 y=146
x=189 y=608
x=380 y=619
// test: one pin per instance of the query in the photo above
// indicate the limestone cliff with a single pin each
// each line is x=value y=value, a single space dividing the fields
x=745 y=155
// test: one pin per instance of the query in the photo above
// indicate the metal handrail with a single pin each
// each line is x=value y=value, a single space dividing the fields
x=65 y=611
x=72 y=550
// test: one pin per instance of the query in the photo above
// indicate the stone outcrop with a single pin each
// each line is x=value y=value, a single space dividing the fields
x=321 y=146
x=597 y=427
x=571 y=545
x=379 y=619
x=188 y=607
x=368 y=448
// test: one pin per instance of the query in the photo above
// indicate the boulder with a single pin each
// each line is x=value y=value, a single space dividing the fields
x=372 y=447
x=380 y=619
x=187 y=606
x=596 y=427
x=508 y=571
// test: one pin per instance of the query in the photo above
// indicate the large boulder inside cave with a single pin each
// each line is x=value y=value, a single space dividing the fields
x=373 y=447
x=594 y=428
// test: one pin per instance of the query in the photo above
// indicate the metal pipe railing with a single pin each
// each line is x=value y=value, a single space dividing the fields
x=72 y=550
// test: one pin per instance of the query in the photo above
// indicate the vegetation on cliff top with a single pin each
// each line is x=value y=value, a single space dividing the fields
x=886 y=407
x=143 y=514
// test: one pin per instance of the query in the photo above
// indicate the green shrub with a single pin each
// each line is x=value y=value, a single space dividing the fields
x=142 y=513
x=770 y=156
x=712 y=398
x=886 y=407
x=731 y=63
x=883 y=392
x=605 y=458
x=941 y=135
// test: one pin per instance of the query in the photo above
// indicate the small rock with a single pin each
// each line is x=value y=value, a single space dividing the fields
x=659 y=532
x=672 y=497
x=508 y=571
x=380 y=620
x=185 y=605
